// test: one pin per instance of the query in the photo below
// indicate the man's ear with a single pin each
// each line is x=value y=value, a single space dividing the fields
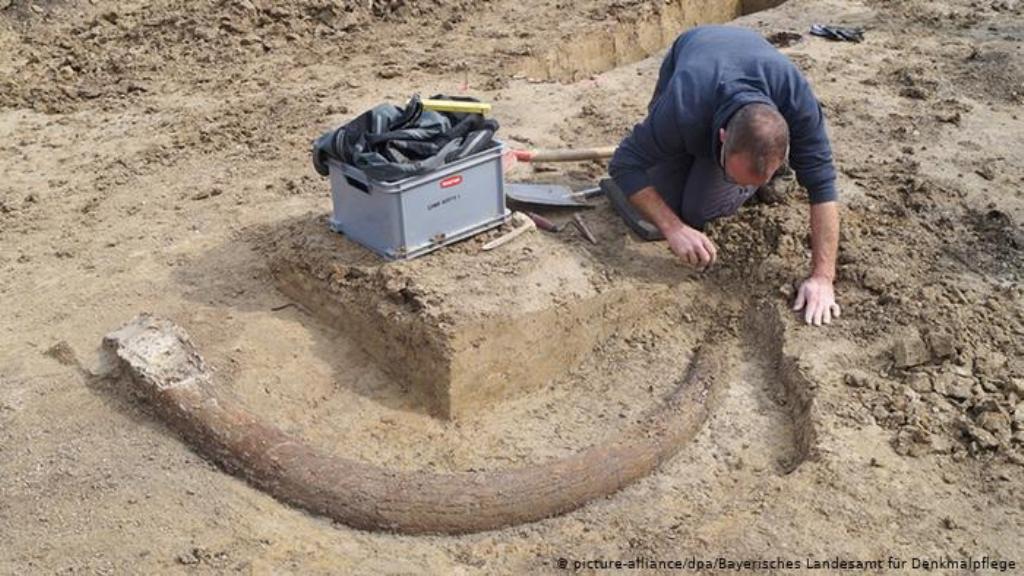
x=721 y=135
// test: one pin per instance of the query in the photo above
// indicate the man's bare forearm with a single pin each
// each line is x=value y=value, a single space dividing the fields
x=690 y=245
x=655 y=210
x=824 y=239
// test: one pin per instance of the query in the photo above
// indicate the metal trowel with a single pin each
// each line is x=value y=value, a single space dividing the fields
x=549 y=194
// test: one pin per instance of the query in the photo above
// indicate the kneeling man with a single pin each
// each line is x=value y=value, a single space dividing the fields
x=729 y=110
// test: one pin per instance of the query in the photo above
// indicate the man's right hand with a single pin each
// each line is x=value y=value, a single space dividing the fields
x=686 y=242
x=692 y=246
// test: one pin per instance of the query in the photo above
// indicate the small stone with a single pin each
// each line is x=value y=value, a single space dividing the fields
x=987 y=172
x=880 y=414
x=920 y=382
x=856 y=379
x=878 y=280
x=959 y=388
x=998 y=423
x=989 y=362
x=941 y=345
x=989 y=386
x=941 y=445
x=912 y=442
x=89 y=92
x=899 y=403
x=783 y=38
x=962 y=370
x=910 y=351
x=985 y=405
x=210 y=193
x=984 y=438
x=1015 y=386
x=914 y=93
x=63 y=353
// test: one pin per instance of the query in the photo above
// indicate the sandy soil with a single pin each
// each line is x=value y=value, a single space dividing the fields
x=147 y=152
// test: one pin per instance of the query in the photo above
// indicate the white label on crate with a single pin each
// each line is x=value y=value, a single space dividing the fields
x=451 y=181
x=443 y=201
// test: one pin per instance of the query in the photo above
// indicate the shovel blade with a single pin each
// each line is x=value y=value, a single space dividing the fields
x=542 y=194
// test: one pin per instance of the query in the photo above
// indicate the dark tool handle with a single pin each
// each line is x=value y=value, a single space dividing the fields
x=542 y=222
x=588 y=192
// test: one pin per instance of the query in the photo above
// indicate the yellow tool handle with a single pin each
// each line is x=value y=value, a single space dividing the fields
x=457 y=106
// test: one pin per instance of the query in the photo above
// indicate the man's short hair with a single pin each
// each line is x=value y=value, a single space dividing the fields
x=759 y=132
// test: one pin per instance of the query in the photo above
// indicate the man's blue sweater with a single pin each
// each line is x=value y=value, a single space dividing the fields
x=709 y=74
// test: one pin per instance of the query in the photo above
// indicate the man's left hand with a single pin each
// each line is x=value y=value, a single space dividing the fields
x=818 y=300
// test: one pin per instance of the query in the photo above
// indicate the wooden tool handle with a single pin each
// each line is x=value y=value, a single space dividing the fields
x=525 y=225
x=565 y=154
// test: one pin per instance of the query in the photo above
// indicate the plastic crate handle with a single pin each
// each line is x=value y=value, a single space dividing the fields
x=357 y=184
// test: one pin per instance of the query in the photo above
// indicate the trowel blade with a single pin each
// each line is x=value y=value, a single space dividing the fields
x=543 y=194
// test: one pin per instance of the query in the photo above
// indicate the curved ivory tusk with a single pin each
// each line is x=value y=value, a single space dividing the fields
x=164 y=365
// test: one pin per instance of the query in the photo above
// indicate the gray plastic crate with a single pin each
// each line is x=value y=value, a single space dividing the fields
x=410 y=217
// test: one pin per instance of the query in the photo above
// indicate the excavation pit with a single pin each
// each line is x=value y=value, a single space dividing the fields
x=462 y=329
x=600 y=50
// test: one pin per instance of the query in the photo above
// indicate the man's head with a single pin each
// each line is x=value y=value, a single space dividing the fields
x=755 y=143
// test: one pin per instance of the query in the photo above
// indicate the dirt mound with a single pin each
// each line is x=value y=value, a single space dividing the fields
x=465 y=329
